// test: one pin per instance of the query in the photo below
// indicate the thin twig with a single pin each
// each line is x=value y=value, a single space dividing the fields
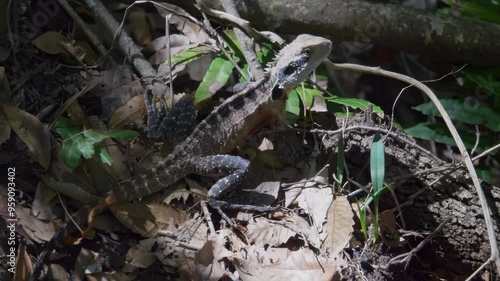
x=407 y=256
x=486 y=152
x=93 y=38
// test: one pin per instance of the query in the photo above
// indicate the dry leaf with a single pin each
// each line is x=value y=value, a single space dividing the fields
x=49 y=42
x=283 y=264
x=33 y=133
x=131 y=112
x=338 y=227
x=140 y=256
x=57 y=272
x=180 y=19
x=268 y=158
x=71 y=190
x=178 y=43
x=148 y=219
x=315 y=202
x=41 y=208
x=389 y=229
x=24 y=267
x=208 y=261
x=193 y=231
x=263 y=232
x=302 y=226
x=86 y=259
x=319 y=104
x=36 y=229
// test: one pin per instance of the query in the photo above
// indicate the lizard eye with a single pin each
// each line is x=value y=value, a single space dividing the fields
x=307 y=53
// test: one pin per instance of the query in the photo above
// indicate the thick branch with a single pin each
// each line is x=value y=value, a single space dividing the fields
x=445 y=37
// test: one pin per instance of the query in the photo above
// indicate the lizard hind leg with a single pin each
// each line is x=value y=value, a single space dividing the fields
x=236 y=169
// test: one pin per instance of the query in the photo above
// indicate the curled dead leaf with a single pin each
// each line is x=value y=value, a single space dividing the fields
x=33 y=133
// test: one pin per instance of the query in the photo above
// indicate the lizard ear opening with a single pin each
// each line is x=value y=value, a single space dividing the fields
x=277 y=92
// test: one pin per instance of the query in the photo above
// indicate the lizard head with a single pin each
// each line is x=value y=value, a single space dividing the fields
x=296 y=61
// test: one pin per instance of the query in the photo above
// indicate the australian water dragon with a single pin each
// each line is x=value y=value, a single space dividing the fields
x=204 y=151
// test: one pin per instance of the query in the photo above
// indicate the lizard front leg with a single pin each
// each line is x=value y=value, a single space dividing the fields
x=236 y=169
x=176 y=125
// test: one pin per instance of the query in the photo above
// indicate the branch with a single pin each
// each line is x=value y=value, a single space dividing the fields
x=445 y=37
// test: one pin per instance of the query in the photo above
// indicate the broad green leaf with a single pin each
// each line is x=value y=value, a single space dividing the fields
x=190 y=55
x=86 y=147
x=377 y=164
x=354 y=103
x=70 y=154
x=66 y=129
x=468 y=113
x=424 y=131
x=307 y=94
x=293 y=106
x=298 y=97
x=103 y=155
x=484 y=172
x=484 y=79
x=438 y=132
x=94 y=136
x=233 y=43
x=216 y=77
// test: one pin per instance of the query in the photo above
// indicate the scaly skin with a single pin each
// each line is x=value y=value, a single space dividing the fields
x=203 y=152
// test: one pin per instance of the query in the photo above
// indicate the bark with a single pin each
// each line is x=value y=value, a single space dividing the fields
x=428 y=196
x=448 y=38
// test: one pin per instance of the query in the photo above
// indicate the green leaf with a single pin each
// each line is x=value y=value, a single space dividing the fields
x=484 y=79
x=484 y=172
x=362 y=219
x=190 y=55
x=86 y=147
x=293 y=106
x=123 y=134
x=468 y=113
x=307 y=95
x=424 y=131
x=354 y=103
x=266 y=53
x=94 y=136
x=233 y=43
x=216 y=77
x=103 y=155
x=65 y=128
x=377 y=165
x=438 y=132
x=70 y=154
x=97 y=137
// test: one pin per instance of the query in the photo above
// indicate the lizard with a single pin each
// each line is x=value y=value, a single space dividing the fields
x=204 y=151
